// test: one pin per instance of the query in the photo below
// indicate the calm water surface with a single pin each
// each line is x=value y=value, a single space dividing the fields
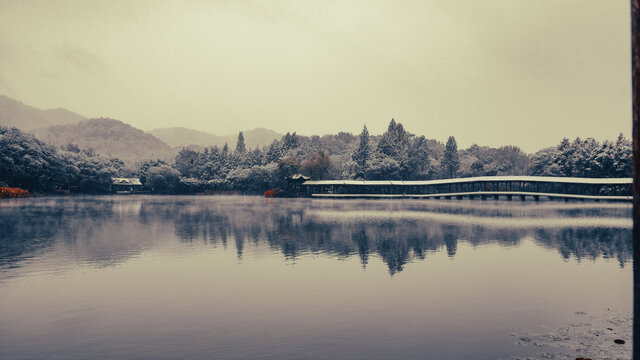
x=150 y=277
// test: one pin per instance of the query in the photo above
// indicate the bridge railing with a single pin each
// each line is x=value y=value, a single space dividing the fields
x=497 y=184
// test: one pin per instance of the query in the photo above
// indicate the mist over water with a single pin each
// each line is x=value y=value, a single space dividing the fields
x=243 y=277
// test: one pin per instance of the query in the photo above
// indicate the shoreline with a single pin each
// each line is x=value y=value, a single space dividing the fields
x=590 y=336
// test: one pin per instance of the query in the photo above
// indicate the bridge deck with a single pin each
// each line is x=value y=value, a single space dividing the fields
x=483 y=179
x=473 y=194
x=616 y=189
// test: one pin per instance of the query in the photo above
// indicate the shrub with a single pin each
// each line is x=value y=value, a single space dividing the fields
x=9 y=192
x=271 y=193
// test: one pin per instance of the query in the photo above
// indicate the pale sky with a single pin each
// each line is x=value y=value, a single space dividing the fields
x=492 y=72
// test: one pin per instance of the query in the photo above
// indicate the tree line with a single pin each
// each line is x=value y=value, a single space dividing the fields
x=397 y=154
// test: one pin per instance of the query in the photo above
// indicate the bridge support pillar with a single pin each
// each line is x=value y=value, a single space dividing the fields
x=459 y=197
x=523 y=198
x=509 y=197
x=536 y=197
x=483 y=197
x=496 y=197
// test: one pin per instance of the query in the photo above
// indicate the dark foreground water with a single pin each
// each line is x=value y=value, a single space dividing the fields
x=136 y=277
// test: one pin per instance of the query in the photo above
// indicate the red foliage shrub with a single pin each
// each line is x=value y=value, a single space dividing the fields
x=271 y=193
x=8 y=192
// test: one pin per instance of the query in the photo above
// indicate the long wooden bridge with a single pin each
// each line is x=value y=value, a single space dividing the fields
x=484 y=187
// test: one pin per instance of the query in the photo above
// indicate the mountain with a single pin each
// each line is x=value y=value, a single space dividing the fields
x=180 y=136
x=113 y=138
x=108 y=137
x=13 y=113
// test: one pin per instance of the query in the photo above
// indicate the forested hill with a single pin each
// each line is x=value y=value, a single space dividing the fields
x=109 y=138
x=16 y=114
x=180 y=136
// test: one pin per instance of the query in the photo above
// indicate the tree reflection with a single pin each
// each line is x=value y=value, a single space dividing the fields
x=108 y=230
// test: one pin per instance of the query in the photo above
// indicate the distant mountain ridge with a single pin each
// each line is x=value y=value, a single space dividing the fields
x=181 y=136
x=108 y=137
x=113 y=138
x=14 y=113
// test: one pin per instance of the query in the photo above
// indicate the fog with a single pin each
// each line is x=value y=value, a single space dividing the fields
x=521 y=72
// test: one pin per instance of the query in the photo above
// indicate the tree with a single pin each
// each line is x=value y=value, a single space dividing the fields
x=93 y=174
x=384 y=167
x=162 y=178
x=286 y=167
x=274 y=152
x=290 y=141
x=28 y=163
x=188 y=162
x=345 y=137
x=317 y=166
x=476 y=168
x=240 y=147
x=605 y=159
x=451 y=161
x=584 y=158
x=510 y=160
x=361 y=156
x=418 y=165
x=254 y=157
x=623 y=157
x=145 y=166
x=393 y=143
x=563 y=158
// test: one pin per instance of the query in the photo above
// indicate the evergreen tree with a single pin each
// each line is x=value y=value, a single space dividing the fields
x=240 y=146
x=213 y=154
x=606 y=159
x=390 y=160
x=254 y=157
x=290 y=141
x=623 y=157
x=418 y=165
x=563 y=160
x=451 y=161
x=361 y=156
x=392 y=126
x=393 y=143
x=274 y=152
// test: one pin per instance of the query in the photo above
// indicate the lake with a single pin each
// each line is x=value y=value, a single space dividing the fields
x=243 y=277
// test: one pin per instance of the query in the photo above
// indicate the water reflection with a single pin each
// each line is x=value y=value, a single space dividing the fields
x=108 y=230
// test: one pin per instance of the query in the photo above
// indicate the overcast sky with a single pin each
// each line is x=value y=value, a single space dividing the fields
x=492 y=72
